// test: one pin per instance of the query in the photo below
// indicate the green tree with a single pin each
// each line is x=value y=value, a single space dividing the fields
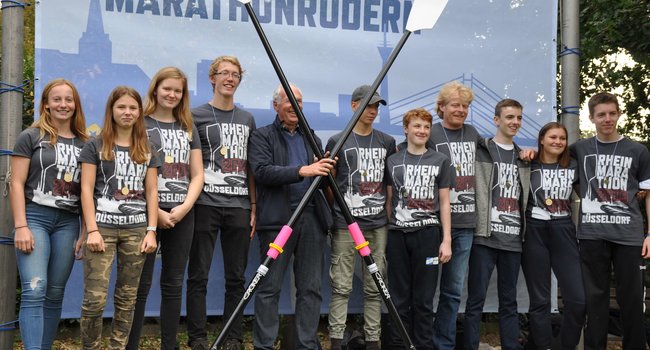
x=610 y=29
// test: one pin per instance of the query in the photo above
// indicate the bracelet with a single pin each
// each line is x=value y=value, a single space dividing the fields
x=151 y=228
x=91 y=231
x=17 y=227
x=253 y=203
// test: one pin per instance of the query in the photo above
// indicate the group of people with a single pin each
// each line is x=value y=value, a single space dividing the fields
x=445 y=204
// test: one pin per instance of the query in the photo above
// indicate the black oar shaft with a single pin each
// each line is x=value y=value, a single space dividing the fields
x=377 y=277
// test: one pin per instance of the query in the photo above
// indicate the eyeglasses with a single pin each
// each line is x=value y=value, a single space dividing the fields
x=226 y=74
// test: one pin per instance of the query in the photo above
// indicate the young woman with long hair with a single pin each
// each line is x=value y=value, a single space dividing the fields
x=45 y=189
x=180 y=180
x=551 y=242
x=119 y=198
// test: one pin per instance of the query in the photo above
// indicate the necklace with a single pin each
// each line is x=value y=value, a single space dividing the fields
x=168 y=157
x=605 y=179
x=364 y=172
x=67 y=177
x=224 y=149
x=548 y=201
x=512 y=161
x=405 y=190
x=451 y=151
x=125 y=189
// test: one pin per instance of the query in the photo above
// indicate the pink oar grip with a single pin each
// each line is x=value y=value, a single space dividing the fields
x=359 y=241
x=277 y=245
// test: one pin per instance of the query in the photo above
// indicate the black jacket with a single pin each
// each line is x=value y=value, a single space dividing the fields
x=268 y=158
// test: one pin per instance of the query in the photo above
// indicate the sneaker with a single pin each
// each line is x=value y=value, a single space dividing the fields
x=232 y=344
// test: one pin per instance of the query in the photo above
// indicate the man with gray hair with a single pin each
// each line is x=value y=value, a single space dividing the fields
x=284 y=167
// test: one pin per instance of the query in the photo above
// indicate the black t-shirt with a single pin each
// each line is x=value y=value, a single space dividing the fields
x=416 y=181
x=460 y=146
x=173 y=147
x=505 y=222
x=609 y=175
x=224 y=142
x=360 y=177
x=54 y=173
x=119 y=186
x=550 y=190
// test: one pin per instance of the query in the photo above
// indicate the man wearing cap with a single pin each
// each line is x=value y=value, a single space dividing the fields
x=359 y=175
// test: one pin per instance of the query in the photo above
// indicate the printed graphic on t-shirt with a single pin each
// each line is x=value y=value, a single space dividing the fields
x=173 y=177
x=226 y=171
x=462 y=156
x=551 y=190
x=505 y=216
x=364 y=195
x=122 y=199
x=58 y=185
x=606 y=198
x=415 y=188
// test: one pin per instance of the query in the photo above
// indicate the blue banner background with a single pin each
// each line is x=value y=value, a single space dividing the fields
x=327 y=47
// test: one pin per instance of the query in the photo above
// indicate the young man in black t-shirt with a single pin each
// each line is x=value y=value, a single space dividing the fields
x=612 y=169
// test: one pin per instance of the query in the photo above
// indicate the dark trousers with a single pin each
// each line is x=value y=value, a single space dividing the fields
x=598 y=257
x=174 y=250
x=413 y=276
x=234 y=226
x=482 y=261
x=553 y=244
x=306 y=246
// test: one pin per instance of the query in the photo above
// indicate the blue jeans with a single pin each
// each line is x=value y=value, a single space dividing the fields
x=482 y=261
x=451 y=289
x=306 y=244
x=44 y=272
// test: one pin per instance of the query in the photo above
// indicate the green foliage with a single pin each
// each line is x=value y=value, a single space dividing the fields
x=609 y=31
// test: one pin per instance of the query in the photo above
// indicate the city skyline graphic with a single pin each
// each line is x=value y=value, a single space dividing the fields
x=94 y=73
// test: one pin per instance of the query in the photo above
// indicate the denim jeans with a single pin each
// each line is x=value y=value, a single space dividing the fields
x=482 y=261
x=44 y=272
x=306 y=245
x=451 y=288
x=234 y=226
x=174 y=251
x=344 y=256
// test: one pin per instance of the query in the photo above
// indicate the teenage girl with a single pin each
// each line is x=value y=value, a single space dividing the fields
x=120 y=208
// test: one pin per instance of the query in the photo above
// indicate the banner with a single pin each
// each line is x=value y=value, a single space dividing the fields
x=326 y=47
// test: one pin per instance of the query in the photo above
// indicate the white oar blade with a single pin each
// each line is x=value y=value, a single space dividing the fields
x=244 y=1
x=424 y=14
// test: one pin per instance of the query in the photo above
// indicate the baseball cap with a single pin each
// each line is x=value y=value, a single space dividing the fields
x=363 y=90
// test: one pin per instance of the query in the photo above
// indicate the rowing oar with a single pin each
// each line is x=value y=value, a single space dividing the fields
x=424 y=14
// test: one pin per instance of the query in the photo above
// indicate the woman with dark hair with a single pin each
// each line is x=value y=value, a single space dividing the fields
x=180 y=180
x=119 y=199
x=551 y=242
x=45 y=204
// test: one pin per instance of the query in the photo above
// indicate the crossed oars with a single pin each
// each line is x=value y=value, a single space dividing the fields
x=424 y=15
